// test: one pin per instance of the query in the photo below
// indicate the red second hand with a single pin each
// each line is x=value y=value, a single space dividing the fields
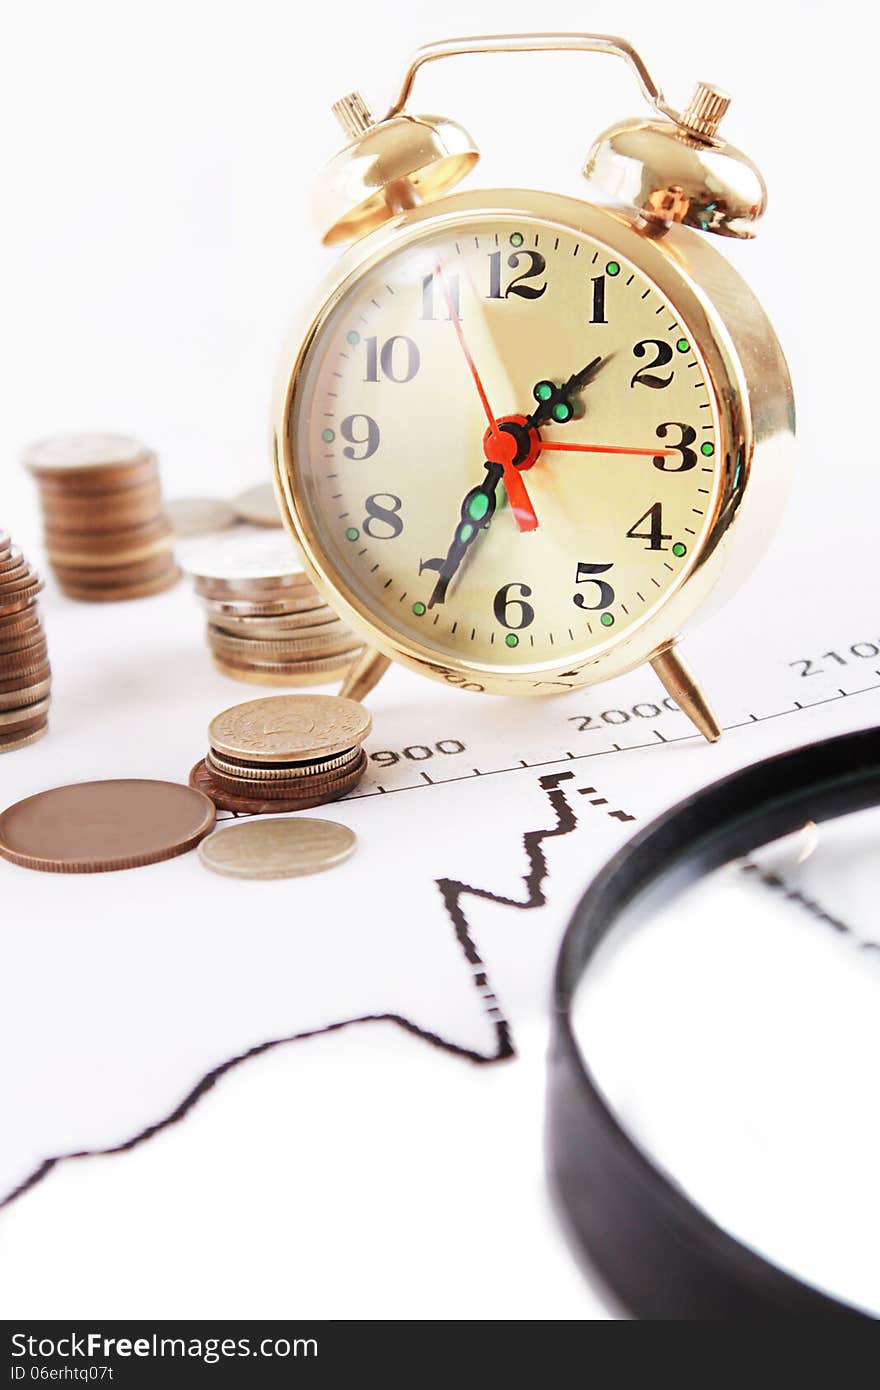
x=560 y=447
x=502 y=445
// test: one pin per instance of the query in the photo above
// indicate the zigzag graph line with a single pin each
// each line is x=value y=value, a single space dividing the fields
x=453 y=893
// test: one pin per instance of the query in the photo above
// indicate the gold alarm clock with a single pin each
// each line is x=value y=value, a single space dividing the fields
x=524 y=437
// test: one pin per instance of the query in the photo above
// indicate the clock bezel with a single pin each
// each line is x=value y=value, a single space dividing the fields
x=746 y=372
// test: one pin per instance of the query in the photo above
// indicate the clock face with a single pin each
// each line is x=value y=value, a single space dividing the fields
x=505 y=443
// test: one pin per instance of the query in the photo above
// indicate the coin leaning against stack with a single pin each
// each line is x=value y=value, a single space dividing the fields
x=24 y=662
x=106 y=534
x=283 y=753
x=267 y=624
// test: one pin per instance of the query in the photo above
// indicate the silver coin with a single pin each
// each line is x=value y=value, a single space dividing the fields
x=198 y=516
x=277 y=848
x=258 y=505
x=241 y=555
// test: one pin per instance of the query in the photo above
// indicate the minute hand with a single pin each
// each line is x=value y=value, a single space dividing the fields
x=477 y=510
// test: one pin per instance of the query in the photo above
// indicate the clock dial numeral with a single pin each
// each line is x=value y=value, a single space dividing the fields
x=430 y=300
x=586 y=574
x=646 y=376
x=598 y=314
x=435 y=564
x=396 y=364
x=360 y=430
x=383 y=521
x=510 y=607
x=655 y=536
x=536 y=266
x=688 y=457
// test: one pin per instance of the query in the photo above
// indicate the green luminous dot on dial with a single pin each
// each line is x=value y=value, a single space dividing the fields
x=352 y=533
x=328 y=436
x=606 y=620
x=478 y=506
x=512 y=640
x=612 y=268
x=679 y=549
x=353 y=337
x=707 y=449
x=561 y=412
x=683 y=345
x=419 y=609
x=517 y=239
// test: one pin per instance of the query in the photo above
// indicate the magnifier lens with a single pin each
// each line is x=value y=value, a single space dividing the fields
x=733 y=1028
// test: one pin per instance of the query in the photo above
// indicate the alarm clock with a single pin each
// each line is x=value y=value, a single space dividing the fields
x=522 y=438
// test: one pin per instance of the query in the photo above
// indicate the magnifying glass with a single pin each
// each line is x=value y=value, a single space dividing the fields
x=713 y=1129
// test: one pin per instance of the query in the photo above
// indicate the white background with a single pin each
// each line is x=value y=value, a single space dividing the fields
x=156 y=240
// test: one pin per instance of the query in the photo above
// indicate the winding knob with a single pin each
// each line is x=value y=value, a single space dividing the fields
x=705 y=110
x=353 y=114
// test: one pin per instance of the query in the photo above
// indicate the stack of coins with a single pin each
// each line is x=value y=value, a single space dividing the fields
x=283 y=753
x=24 y=661
x=106 y=533
x=267 y=624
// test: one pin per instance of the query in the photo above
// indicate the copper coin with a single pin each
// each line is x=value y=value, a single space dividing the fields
x=123 y=593
x=277 y=848
x=111 y=575
x=10 y=718
x=289 y=728
x=201 y=779
x=8 y=743
x=20 y=621
x=24 y=695
x=198 y=516
x=23 y=660
x=99 y=485
x=20 y=601
x=246 y=557
x=93 y=827
x=15 y=640
x=29 y=676
x=66 y=522
x=9 y=559
x=15 y=580
x=5 y=542
x=269 y=772
x=259 y=505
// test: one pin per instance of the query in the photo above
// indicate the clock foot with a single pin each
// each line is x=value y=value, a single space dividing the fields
x=364 y=674
x=677 y=677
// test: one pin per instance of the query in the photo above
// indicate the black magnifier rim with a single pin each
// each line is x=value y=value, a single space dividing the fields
x=661 y=1255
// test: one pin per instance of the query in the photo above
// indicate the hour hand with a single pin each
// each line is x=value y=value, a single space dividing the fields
x=477 y=511
x=554 y=402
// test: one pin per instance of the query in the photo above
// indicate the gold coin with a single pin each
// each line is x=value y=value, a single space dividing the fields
x=307 y=673
x=15 y=715
x=68 y=453
x=294 y=789
x=300 y=600
x=198 y=516
x=271 y=628
x=277 y=848
x=27 y=695
x=289 y=728
x=283 y=772
x=309 y=642
x=258 y=505
x=12 y=741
